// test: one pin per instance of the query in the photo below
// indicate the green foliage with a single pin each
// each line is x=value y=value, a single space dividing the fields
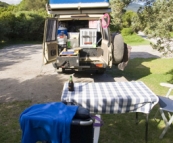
x=126 y=31
x=3 y=4
x=127 y=21
x=127 y=18
x=29 y=5
x=156 y=21
x=24 y=26
x=117 y=10
x=6 y=22
x=115 y=28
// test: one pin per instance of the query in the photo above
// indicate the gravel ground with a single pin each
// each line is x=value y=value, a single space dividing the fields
x=24 y=77
x=144 y=51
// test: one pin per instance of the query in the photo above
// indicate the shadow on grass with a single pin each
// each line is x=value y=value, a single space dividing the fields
x=170 y=73
x=135 y=70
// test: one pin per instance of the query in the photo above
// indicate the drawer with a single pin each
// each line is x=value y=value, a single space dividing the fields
x=68 y=61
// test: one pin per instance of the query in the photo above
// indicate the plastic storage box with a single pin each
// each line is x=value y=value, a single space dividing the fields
x=88 y=38
x=73 y=35
x=73 y=40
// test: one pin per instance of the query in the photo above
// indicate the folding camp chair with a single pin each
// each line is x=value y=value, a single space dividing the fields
x=166 y=104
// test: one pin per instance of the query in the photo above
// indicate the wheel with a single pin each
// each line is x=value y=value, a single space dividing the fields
x=118 y=48
x=55 y=65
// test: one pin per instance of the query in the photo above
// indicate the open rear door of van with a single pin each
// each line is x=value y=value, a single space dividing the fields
x=50 y=45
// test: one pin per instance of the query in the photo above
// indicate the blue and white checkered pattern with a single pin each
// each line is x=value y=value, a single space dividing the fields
x=111 y=97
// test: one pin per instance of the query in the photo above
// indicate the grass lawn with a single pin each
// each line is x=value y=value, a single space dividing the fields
x=117 y=128
x=134 y=40
x=172 y=34
x=9 y=121
x=121 y=128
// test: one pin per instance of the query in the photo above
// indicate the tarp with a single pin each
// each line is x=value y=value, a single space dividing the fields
x=47 y=122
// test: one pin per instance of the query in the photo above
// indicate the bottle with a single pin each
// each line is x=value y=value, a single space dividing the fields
x=70 y=84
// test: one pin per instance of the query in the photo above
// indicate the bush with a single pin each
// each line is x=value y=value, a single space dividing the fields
x=22 y=27
x=127 y=31
x=127 y=19
x=6 y=23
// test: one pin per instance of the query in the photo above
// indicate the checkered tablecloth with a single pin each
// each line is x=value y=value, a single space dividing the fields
x=111 y=97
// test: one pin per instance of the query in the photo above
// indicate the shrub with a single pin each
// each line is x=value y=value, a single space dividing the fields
x=126 y=31
x=24 y=26
x=127 y=18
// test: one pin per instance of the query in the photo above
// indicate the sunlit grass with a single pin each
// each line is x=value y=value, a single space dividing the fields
x=171 y=34
x=159 y=66
x=135 y=39
x=151 y=71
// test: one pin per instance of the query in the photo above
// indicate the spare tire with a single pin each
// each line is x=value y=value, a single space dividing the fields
x=118 y=48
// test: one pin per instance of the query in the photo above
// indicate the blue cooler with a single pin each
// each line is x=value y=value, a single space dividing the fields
x=62 y=29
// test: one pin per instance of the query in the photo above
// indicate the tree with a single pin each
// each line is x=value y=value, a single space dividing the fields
x=3 y=4
x=29 y=5
x=7 y=22
x=127 y=18
x=117 y=11
x=157 y=22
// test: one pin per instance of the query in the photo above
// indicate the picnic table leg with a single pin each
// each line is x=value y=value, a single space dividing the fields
x=146 y=129
x=146 y=126
x=136 y=117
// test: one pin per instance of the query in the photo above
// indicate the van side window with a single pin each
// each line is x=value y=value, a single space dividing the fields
x=51 y=34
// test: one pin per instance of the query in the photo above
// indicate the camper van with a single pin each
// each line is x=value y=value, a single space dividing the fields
x=77 y=36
